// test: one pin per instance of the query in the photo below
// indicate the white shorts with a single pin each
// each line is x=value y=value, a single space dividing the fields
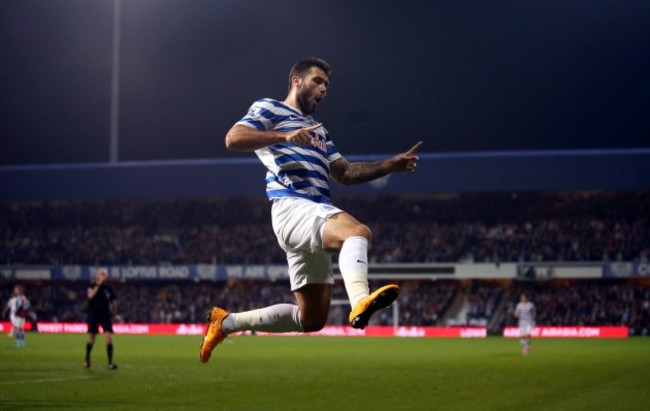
x=17 y=322
x=525 y=330
x=298 y=225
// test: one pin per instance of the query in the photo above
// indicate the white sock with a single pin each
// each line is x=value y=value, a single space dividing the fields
x=277 y=318
x=353 y=263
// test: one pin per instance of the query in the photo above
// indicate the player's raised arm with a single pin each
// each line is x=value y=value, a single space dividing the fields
x=355 y=173
x=243 y=138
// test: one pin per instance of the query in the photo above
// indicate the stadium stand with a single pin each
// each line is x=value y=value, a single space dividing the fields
x=496 y=228
x=601 y=226
x=421 y=303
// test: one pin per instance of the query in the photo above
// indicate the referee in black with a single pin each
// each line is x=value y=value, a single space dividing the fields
x=101 y=308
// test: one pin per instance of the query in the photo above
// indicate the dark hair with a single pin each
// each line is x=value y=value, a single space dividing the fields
x=302 y=66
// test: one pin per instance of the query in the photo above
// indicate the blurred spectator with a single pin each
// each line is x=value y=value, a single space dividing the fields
x=483 y=299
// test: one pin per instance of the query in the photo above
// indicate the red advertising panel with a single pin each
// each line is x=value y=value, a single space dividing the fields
x=345 y=331
x=329 y=330
x=6 y=326
x=571 y=332
x=409 y=332
x=170 y=329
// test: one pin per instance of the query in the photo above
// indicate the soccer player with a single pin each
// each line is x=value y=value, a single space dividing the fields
x=300 y=158
x=101 y=308
x=18 y=305
x=525 y=313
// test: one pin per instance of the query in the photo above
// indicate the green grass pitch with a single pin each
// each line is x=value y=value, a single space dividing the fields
x=321 y=373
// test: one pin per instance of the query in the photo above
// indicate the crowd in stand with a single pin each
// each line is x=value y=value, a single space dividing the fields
x=421 y=302
x=176 y=231
x=591 y=226
x=482 y=302
x=596 y=226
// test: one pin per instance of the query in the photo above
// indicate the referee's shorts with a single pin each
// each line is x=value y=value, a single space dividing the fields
x=95 y=322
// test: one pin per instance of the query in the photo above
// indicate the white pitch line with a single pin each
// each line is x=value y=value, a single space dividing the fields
x=45 y=380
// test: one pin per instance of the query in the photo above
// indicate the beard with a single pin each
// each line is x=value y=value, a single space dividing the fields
x=303 y=98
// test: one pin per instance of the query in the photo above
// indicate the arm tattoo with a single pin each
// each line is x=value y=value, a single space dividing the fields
x=363 y=172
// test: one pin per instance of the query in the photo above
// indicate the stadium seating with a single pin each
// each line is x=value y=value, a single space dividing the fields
x=592 y=226
x=603 y=226
x=421 y=303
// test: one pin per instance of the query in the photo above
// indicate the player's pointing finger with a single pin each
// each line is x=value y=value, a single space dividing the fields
x=414 y=148
x=314 y=127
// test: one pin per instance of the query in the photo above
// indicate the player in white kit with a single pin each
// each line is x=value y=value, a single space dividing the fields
x=525 y=313
x=300 y=158
x=18 y=306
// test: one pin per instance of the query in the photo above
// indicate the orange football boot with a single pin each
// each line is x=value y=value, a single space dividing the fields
x=366 y=307
x=214 y=335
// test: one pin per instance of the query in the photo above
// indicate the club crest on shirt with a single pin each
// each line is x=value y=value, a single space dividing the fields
x=319 y=142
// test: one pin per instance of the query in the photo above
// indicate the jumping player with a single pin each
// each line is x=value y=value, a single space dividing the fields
x=18 y=305
x=300 y=158
x=101 y=308
x=525 y=313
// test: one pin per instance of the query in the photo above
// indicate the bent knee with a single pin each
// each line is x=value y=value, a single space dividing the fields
x=364 y=231
x=341 y=227
x=359 y=230
x=311 y=326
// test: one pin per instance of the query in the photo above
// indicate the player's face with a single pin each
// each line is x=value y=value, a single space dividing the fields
x=312 y=89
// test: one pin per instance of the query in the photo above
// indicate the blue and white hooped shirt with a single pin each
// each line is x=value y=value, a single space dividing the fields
x=293 y=171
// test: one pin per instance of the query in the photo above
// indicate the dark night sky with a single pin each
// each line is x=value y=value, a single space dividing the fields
x=462 y=76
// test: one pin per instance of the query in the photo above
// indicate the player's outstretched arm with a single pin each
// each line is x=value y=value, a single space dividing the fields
x=243 y=138
x=355 y=173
